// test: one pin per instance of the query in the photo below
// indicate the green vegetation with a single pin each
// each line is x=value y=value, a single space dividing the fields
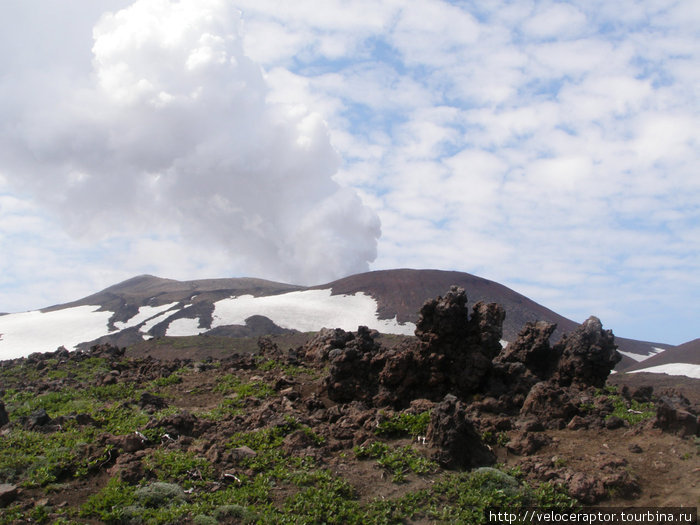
x=230 y=384
x=631 y=411
x=404 y=423
x=501 y=439
x=236 y=392
x=274 y=484
x=266 y=364
x=175 y=465
x=398 y=461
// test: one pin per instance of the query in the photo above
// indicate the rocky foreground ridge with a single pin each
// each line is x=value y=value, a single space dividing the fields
x=267 y=435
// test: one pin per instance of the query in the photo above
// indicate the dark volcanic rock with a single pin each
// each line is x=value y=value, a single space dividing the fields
x=151 y=402
x=453 y=355
x=355 y=367
x=551 y=404
x=38 y=418
x=588 y=354
x=8 y=493
x=526 y=443
x=458 y=443
x=674 y=414
x=4 y=418
x=533 y=350
x=181 y=424
x=444 y=320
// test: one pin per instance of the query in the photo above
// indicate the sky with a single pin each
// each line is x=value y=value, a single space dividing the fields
x=550 y=146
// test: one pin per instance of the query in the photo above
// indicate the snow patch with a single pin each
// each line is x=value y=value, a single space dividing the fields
x=184 y=326
x=308 y=311
x=643 y=357
x=144 y=313
x=673 y=369
x=36 y=331
x=155 y=320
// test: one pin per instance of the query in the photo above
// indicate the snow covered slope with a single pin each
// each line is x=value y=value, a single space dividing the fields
x=28 y=332
x=673 y=369
x=308 y=310
x=387 y=300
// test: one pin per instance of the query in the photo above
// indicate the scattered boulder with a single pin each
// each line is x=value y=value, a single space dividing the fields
x=551 y=404
x=577 y=423
x=8 y=493
x=150 y=402
x=614 y=422
x=181 y=424
x=128 y=468
x=325 y=341
x=4 y=417
x=674 y=414
x=38 y=418
x=526 y=443
x=584 y=487
x=128 y=443
x=454 y=435
x=532 y=349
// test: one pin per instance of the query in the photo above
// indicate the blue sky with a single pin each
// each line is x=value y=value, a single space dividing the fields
x=550 y=146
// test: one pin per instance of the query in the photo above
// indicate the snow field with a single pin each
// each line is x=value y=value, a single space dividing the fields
x=36 y=331
x=673 y=369
x=308 y=311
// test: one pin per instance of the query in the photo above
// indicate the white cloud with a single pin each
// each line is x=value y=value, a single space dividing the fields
x=556 y=20
x=548 y=145
x=176 y=137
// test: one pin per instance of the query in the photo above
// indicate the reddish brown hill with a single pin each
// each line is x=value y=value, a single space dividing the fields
x=686 y=353
x=399 y=293
x=402 y=292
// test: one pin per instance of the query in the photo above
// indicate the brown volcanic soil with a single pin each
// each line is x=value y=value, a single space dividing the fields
x=663 y=385
x=667 y=468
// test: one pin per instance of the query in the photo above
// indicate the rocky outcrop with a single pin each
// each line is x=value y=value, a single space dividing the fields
x=458 y=352
x=454 y=435
x=453 y=355
x=532 y=349
x=587 y=355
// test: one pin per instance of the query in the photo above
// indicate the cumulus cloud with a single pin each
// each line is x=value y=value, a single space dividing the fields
x=542 y=144
x=172 y=133
x=550 y=146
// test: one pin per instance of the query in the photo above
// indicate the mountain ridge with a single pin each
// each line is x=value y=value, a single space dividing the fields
x=149 y=306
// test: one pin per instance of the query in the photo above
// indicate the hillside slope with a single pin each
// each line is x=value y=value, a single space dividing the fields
x=388 y=300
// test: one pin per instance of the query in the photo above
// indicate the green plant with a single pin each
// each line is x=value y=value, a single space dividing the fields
x=230 y=384
x=586 y=407
x=405 y=423
x=503 y=439
x=332 y=502
x=631 y=411
x=109 y=503
x=40 y=514
x=172 y=379
x=175 y=465
x=398 y=461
